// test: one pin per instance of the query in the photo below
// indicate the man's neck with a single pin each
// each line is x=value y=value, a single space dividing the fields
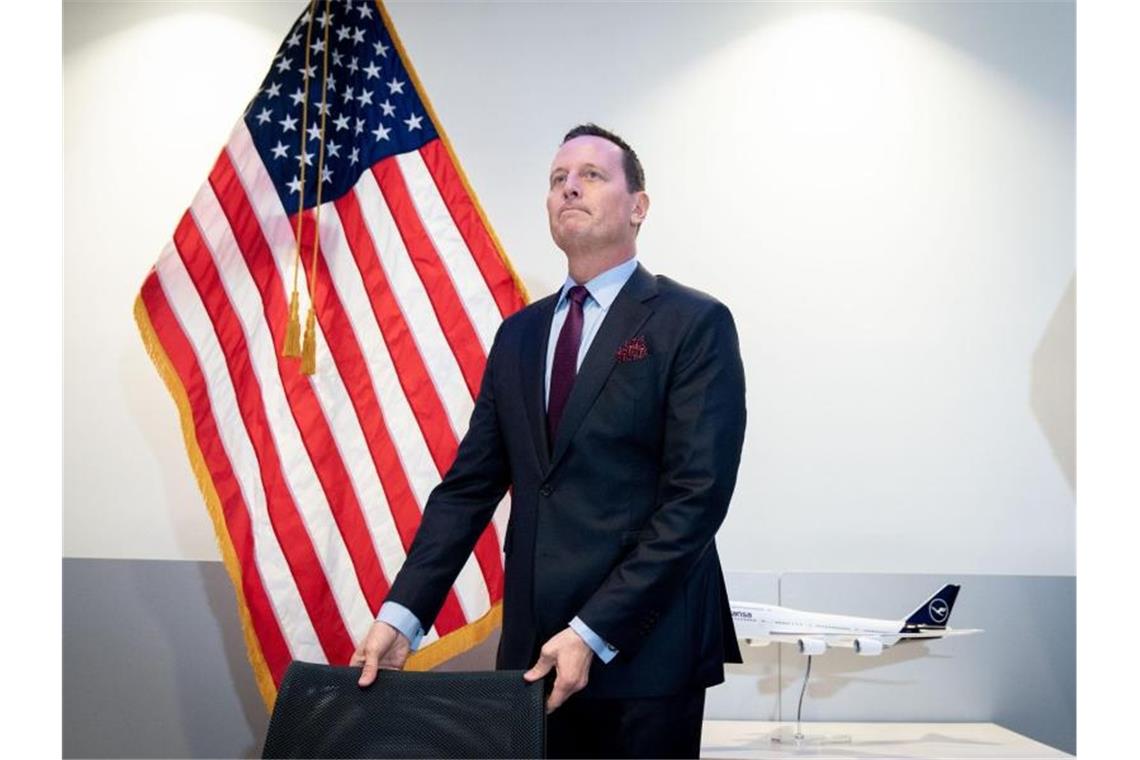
x=584 y=267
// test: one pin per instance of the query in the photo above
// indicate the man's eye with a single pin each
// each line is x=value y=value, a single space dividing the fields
x=556 y=180
x=592 y=174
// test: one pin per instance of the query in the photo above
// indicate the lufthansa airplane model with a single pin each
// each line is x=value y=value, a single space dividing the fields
x=814 y=632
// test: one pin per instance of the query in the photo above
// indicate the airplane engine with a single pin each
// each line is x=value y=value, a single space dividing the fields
x=868 y=647
x=812 y=646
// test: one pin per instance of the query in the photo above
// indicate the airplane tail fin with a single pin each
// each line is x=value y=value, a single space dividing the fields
x=934 y=612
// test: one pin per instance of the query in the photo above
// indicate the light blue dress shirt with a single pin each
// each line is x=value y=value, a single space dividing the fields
x=603 y=289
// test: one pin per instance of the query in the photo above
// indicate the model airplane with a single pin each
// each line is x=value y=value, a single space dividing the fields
x=814 y=632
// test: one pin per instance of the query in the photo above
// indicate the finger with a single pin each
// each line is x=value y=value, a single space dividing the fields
x=540 y=669
x=560 y=694
x=371 y=667
x=565 y=686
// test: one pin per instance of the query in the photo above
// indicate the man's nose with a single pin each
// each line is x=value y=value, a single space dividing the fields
x=570 y=188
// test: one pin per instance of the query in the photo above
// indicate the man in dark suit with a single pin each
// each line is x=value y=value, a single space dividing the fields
x=614 y=409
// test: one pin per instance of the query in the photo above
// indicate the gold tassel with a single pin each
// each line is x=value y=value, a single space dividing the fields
x=309 y=353
x=292 y=348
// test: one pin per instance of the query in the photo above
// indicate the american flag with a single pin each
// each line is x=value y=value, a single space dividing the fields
x=316 y=484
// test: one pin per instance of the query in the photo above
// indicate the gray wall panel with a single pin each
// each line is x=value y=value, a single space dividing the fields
x=154 y=662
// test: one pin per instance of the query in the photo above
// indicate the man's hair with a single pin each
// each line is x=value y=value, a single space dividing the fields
x=634 y=174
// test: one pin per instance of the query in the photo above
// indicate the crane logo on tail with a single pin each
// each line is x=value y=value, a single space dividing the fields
x=939 y=610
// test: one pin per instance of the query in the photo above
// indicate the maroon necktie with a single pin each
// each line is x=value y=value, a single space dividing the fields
x=565 y=366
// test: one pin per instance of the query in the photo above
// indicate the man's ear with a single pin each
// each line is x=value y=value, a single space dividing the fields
x=640 y=208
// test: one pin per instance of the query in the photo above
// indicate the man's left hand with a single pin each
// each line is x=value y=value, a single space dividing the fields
x=570 y=657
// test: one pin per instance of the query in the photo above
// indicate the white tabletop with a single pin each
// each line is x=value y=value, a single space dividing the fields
x=753 y=739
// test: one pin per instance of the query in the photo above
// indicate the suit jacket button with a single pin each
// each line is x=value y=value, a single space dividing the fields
x=546 y=490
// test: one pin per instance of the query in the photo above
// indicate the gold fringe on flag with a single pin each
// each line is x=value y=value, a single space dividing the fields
x=154 y=349
x=458 y=641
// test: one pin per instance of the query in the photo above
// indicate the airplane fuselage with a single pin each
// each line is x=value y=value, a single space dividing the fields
x=767 y=621
x=815 y=632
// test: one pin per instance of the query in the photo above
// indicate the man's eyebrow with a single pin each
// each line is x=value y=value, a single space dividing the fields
x=587 y=165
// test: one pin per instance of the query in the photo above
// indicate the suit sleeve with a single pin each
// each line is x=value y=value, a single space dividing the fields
x=704 y=433
x=458 y=509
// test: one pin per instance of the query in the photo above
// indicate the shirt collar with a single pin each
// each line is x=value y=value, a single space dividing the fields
x=605 y=287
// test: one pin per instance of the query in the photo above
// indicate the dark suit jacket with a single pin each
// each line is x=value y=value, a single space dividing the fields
x=614 y=523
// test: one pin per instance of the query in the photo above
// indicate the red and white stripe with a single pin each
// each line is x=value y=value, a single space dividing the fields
x=322 y=480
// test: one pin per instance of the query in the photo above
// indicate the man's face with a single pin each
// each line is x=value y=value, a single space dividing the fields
x=589 y=204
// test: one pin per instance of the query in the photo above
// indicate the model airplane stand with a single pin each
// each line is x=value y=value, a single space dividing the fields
x=795 y=738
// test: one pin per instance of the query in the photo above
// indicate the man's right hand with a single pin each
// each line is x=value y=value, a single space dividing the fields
x=383 y=647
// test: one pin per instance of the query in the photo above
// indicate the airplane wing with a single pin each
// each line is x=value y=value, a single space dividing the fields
x=939 y=634
x=832 y=639
x=791 y=637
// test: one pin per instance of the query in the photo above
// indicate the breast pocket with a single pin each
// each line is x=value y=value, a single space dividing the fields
x=631 y=397
x=633 y=379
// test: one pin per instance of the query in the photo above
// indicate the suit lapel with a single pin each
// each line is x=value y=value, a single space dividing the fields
x=533 y=366
x=626 y=315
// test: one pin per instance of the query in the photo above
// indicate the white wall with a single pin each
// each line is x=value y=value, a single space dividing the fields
x=882 y=193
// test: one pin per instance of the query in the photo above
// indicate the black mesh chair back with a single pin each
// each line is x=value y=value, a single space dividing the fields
x=321 y=712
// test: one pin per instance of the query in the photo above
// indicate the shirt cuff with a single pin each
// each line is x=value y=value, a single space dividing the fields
x=403 y=620
x=603 y=649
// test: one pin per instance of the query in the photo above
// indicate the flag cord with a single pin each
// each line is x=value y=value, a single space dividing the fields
x=309 y=350
x=292 y=347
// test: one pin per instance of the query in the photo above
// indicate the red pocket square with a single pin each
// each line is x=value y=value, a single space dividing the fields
x=633 y=349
